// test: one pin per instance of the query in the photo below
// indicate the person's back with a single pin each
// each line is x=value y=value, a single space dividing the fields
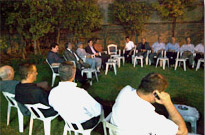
x=133 y=112
x=72 y=103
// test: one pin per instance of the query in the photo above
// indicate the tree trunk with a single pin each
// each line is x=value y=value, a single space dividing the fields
x=23 y=50
x=58 y=36
x=173 y=26
x=38 y=47
x=35 y=47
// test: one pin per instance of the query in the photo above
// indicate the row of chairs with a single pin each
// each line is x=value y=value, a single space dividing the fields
x=37 y=114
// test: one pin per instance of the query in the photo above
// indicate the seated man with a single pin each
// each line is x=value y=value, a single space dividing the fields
x=129 y=47
x=70 y=55
x=199 y=50
x=134 y=114
x=28 y=92
x=53 y=58
x=83 y=55
x=8 y=85
x=188 y=50
x=91 y=50
x=172 y=49
x=157 y=48
x=72 y=103
x=143 y=47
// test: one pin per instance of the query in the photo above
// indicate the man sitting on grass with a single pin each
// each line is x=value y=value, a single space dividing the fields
x=28 y=92
x=72 y=103
x=134 y=114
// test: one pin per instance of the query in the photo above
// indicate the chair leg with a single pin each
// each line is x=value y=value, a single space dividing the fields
x=184 y=65
x=104 y=128
x=20 y=119
x=118 y=62
x=96 y=75
x=8 y=113
x=31 y=126
x=168 y=62
x=115 y=70
x=198 y=65
x=134 y=62
x=142 y=62
x=123 y=59
x=157 y=62
x=65 y=131
x=176 y=64
x=106 y=70
x=163 y=64
x=53 y=79
x=47 y=127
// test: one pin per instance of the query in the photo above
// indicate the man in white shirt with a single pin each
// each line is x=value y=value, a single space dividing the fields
x=129 y=47
x=157 y=48
x=199 y=50
x=72 y=103
x=134 y=114
x=187 y=51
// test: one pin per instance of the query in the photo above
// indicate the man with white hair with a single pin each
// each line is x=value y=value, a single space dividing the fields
x=8 y=85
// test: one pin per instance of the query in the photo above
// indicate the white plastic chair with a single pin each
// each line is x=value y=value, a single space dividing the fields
x=13 y=103
x=135 y=58
x=54 y=74
x=111 y=128
x=199 y=63
x=115 y=55
x=111 y=62
x=37 y=114
x=178 y=60
x=69 y=127
x=89 y=72
x=163 y=58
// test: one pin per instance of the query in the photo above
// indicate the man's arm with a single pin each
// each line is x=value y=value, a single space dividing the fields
x=173 y=113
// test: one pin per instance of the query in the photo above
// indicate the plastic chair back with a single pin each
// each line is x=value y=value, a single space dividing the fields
x=113 y=130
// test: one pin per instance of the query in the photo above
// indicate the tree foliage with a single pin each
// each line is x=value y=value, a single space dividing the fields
x=131 y=14
x=172 y=9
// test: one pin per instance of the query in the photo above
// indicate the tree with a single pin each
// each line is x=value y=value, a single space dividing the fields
x=172 y=9
x=31 y=19
x=130 y=14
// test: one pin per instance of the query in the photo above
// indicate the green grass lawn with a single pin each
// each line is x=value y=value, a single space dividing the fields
x=185 y=87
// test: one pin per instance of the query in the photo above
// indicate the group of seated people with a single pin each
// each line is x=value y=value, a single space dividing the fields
x=171 y=49
x=132 y=112
x=83 y=58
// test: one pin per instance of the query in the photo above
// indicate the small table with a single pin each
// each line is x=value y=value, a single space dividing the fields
x=189 y=114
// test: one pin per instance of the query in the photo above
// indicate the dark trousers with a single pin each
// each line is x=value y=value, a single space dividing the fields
x=128 y=56
x=104 y=58
x=172 y=56
x=89 y=123
x=198 y=56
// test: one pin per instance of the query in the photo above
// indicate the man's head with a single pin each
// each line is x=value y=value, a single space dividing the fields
x=54 y=47
x=173 y=39
x=152 y=82
x=188 y=40
x=90 y=42
x=68 y=45
x=28 y=72
x=80 y=45
x=6 y=73
x=67 y=71
x=127 y=38
x=159 y=39
x=143 y=40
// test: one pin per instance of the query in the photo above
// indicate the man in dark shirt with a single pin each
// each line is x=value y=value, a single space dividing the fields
x=53 y=58
x=29 y=93
x=142 y=48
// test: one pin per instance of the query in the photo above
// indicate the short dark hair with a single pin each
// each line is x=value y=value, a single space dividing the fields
x=66 y=70
x=66 y=44
x=89 y=40
x=151 y=82
x=53 y=45
x=25 y=69
x=127 y=37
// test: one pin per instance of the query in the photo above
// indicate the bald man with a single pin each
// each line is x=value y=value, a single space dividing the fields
x=8 y=85
x=7 y=75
